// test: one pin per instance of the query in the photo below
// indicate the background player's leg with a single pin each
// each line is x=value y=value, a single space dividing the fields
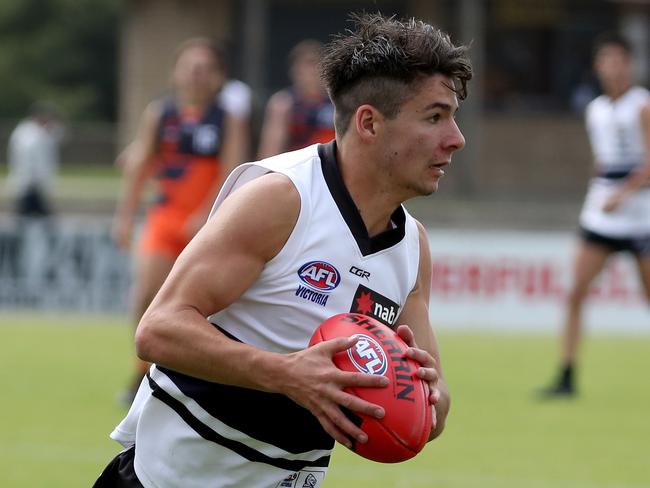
x=150 y=272
x=643 y=263
x=589 y=261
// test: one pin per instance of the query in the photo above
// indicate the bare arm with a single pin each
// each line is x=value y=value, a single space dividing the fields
x=641 y=176
x=275 y=130
x=234 y=151
x=137 y=162
x=421 y=336
x=220 y=263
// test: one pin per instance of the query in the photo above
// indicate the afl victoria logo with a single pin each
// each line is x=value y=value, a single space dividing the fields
x=319 y=276
x=368 y=356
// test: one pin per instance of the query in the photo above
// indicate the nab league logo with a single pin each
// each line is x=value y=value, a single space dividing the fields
x=319 y=276
x=368 y=356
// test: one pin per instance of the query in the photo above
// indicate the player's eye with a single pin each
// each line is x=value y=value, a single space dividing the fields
x=435 y=118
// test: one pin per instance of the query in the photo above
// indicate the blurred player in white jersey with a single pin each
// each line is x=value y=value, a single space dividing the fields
x=616 y=213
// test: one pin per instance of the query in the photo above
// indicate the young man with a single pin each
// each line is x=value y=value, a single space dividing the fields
x=616 y=212
x=189 y=143
x=302 y=114
x=235 y=397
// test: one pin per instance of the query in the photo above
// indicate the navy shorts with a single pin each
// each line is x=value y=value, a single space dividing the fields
x=120 y=472
x=639 y=246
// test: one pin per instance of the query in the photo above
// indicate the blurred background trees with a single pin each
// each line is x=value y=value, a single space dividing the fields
x=59 y=50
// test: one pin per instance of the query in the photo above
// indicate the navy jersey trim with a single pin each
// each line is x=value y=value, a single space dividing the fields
x=367 y=245
x=615 y=174
x=212 y=116
x=241 y=449
x=268 y=417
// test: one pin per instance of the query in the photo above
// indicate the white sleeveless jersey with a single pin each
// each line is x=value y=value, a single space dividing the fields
x=618 y=145
x=193 y=433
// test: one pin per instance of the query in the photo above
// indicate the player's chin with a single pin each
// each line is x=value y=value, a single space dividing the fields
x=428 y=187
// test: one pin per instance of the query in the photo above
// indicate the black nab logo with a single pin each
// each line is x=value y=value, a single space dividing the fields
x=372 y=304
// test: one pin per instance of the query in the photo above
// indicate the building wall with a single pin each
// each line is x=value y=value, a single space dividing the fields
x=150 y=33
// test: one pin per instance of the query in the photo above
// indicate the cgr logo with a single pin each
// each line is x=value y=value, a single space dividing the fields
x=359 y=272
x=319 y=275
x=368 y=356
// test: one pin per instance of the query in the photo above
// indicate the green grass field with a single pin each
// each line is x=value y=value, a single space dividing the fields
x=60 y=377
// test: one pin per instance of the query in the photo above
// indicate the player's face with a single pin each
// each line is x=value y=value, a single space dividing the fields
x=613 y=65
x=421 y=139
x=196 y=72
x=304 y=72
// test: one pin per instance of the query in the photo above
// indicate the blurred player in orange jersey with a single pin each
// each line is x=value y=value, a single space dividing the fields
x=302 y=114
x=188 y=143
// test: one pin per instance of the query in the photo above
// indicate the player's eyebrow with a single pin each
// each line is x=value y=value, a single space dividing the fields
x=443 y=106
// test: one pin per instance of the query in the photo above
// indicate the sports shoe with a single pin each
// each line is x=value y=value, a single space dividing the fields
x=557 y=391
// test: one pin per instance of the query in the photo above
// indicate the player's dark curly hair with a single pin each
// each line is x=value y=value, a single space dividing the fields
x=611 y=38
x=379 y=61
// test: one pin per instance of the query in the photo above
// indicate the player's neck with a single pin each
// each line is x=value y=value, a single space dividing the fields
x=374 y=200
x=195 y=101
x=617 y=90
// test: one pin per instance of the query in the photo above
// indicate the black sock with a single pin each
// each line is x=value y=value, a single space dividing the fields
x=566 y=376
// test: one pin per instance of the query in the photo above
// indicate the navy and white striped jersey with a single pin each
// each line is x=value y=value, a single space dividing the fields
x=619 y=148
x=193 y=433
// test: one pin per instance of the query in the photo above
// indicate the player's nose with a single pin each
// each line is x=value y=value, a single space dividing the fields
x=455 y=139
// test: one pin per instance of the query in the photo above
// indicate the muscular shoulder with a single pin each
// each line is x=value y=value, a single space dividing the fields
x=262 y=212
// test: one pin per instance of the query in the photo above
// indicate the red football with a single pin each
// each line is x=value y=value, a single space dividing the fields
x=405 y=428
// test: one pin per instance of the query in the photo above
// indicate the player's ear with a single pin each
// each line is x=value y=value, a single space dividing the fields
x=366 y=122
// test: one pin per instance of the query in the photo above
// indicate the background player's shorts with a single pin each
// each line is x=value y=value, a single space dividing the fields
x=164 y=232
x=639 y=246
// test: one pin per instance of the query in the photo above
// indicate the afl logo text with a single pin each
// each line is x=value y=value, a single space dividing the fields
x=319 y=276
x=368 y=356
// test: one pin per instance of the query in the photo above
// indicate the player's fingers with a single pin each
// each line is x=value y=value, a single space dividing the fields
x=406 y=334
x=338 y=344
x=434 y=395
x=363 y=380
x=356 y=404
x=434 y=418
x=337 y=434
x=421 y=356
x=343 y=424
x=430 y=375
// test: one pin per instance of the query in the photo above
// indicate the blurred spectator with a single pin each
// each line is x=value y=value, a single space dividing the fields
x=33 y=155
x=188 y=142
x=303 y=113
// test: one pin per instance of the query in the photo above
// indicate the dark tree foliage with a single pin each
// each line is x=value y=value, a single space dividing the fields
x=64 y=51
